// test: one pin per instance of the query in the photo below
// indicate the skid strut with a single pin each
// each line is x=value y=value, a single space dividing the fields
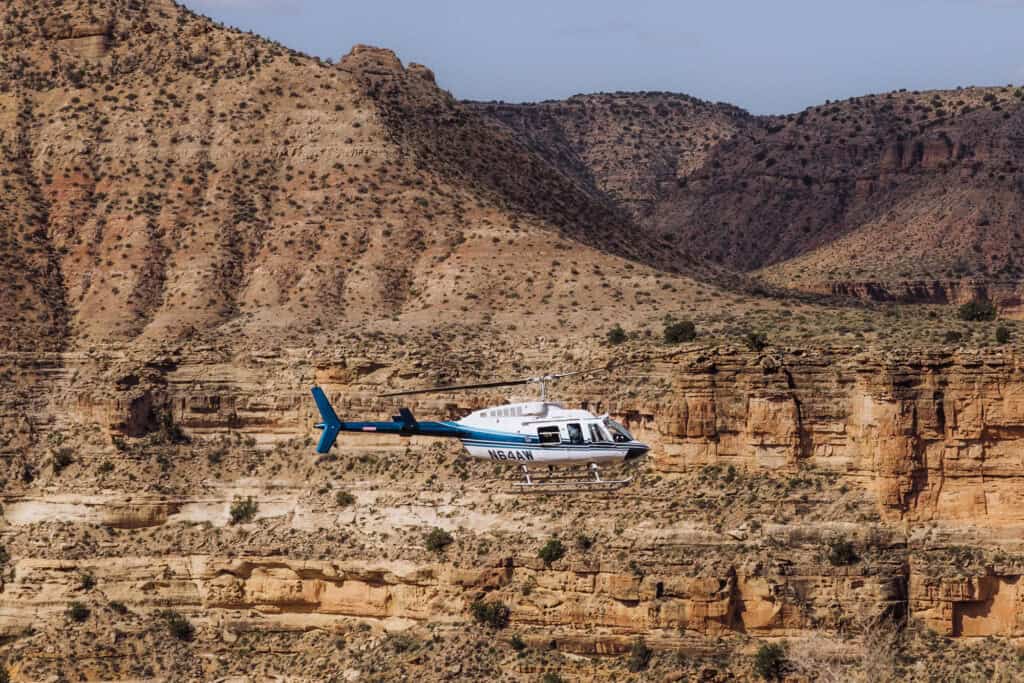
x=556 y=484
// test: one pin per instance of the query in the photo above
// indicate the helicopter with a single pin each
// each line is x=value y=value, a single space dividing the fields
x=532 y=434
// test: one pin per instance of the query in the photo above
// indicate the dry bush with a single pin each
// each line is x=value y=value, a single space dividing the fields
x=865 y=650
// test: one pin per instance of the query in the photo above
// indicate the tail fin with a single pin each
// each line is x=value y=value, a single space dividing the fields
x=331 y=424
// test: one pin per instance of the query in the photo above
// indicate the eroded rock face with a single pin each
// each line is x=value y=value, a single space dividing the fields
x=911 y=460
x=937 y=435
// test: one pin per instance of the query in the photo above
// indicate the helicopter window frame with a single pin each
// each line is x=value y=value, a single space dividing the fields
x=575 y=433
x=549 y=434
x=619 y=433
x=597 y=434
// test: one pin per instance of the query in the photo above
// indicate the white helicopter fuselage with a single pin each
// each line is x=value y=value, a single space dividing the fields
x=545 y=433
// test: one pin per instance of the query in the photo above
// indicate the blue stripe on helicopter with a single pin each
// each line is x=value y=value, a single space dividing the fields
x=577 y=446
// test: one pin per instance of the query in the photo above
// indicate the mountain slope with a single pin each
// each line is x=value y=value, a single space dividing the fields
x=188 y=180
x=900 y=187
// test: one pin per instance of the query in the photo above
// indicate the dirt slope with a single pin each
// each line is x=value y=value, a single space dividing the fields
x=870 y=196
x=174 y=178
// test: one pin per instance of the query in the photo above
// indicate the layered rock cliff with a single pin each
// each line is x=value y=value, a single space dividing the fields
x=789 y=494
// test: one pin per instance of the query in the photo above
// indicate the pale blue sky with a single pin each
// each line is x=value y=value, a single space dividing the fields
x=767 y=56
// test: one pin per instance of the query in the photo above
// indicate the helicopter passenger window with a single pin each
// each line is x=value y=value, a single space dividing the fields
x=597 y=434
x=575 y=433
x=548 y=434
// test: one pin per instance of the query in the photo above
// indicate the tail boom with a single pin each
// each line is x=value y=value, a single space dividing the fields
x=403 y=424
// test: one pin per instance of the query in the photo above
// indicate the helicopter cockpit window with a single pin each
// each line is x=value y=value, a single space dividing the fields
x=548 y=434
x=597 y=434
x=575 y=433
x=619 y=433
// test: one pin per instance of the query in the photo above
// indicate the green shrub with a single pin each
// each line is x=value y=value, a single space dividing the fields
x=952 y=337
x=552 y=551
x=584 y=542
x=517 y=643
x=438 y=539
x=1002 y=334
x=639 y=656
x=77 y=612
x=86 y=582
x=616 y=335
x=344 y=499
x=756 y=341
x=551 y=677
x=402 y=642
x=678 y=332
x=243 y=510
x=841 y=553
x=770 y=661
x=493 y=614
x=180 y=627
x=61 y=459
x=978 y=310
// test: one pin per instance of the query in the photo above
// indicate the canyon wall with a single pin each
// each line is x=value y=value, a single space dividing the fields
x=931 y=442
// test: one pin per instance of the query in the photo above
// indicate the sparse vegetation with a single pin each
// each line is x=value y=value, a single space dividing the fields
x=770 y=661
x=77 y=612
x=978 y=310
x=755 y=341
x=639 y=656
x=616 y=335
x=243 y=510
x=494 y=614
x=62 y=459
x=179 y=627
x=841 y=553
x=344 y=499
x=1002 y=334
x=584 y=542
x=679 y=332
x=552 y=551
x=438 y=539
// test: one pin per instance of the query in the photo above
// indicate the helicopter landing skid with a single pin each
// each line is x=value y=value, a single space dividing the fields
x=569 y=484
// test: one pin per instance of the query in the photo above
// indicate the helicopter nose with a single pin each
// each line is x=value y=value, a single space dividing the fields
x=637 y=450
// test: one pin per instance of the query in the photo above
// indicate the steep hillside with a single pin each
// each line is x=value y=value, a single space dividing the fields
x=176 y=179
x=633 y=147
x=912 y=196
x=896 y=186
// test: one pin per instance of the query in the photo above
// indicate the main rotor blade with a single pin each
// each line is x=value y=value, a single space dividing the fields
x=503 y=383
x=459 y=387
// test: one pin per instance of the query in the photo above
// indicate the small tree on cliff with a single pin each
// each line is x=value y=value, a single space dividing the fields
x=493 y=614
x=678 y=332
x=243 y=510
x=770 y=661
x=978 y=310
x=438 y=539
x=552 y=551
x=616 y=335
